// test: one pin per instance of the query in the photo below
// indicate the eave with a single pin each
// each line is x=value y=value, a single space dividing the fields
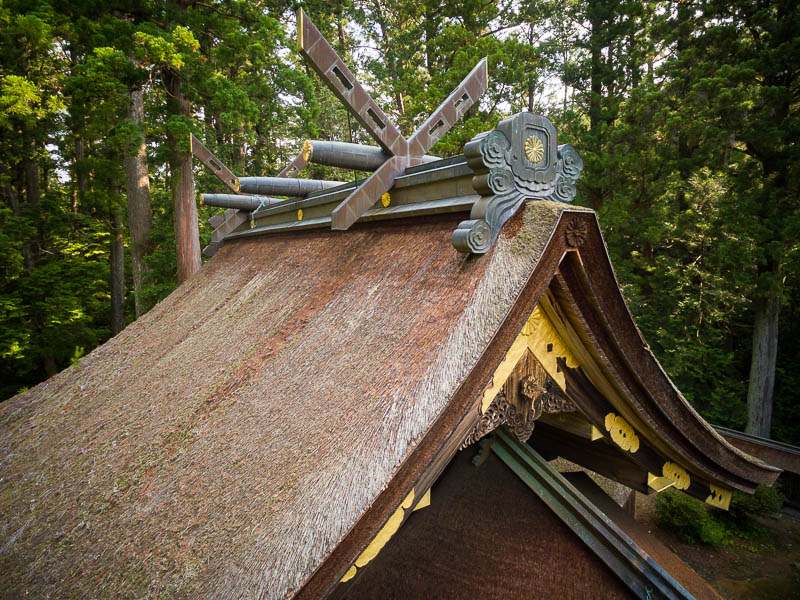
x=587 y=288
x=585 y=299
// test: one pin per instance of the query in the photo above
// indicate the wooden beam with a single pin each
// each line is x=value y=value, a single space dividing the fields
x=401 y=153
x=285 y=186
x=451 y=110
x=295 y=166
x=215 y=165
x=600 y=457
x=365 y=196
x=572 y=422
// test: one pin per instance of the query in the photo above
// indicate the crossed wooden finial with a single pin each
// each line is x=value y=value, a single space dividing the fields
x=402 y=153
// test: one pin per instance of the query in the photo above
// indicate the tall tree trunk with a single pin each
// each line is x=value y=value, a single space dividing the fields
x=33 y=187
x=50 y=364
x=140 y=213
x=762 y=365
x=595 y=193
x=77 y=122
x=10 y=196
x=187 y=232
x=80 y=172
x=33 y=194
x=117 y=264
x=767 y=304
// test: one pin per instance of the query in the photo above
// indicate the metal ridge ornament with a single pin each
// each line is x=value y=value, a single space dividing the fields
x=519 y=160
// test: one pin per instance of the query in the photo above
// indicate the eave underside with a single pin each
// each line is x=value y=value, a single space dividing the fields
x=485 y=535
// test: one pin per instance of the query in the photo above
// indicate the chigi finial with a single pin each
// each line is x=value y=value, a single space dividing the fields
x=518 y=161
x=400 y=153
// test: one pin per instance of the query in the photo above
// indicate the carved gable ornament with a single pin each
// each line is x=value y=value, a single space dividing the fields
x=519 y=160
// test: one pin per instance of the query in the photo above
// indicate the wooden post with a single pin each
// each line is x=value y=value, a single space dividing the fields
x=187 y=229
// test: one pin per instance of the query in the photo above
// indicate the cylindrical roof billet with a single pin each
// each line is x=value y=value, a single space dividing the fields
x=250 y=203
x=284 y=186
x=348 y=156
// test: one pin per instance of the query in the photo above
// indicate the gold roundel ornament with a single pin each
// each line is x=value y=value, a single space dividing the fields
x=308 y=150
x=534 y=149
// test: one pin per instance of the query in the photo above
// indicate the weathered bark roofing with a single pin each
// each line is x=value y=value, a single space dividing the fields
x=250 y=435
x=223 y=444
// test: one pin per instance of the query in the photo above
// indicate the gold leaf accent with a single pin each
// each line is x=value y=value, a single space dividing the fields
x=532 y=323
x=424 y=501
x=386 y=533
x=534 y=149
x=299 y=214
x=677 y=474
x=622 y=433
x=308 y=150
x=719 y=497
x=540 y=337
x=659 y=484
x=386 y=199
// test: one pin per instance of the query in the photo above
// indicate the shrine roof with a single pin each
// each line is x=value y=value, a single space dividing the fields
x=250 y=434
x=227 y=441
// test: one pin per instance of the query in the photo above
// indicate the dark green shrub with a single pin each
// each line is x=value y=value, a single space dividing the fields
x=696 y=523
x=690 y=519
x=765 y=501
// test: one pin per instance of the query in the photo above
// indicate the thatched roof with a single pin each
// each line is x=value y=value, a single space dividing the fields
x=249 y=436
x=225 y=443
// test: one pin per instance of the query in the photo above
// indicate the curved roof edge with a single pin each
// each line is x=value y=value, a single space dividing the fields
x=580 y=270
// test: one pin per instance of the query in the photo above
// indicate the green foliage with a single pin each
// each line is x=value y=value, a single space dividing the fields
x=690 y=519
x=686 y=116
x=764 y=502
x=161 y=260
x=18 y=98
x=697 y=523
x=43 y=314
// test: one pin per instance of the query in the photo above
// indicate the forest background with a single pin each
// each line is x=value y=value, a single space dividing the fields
x=685 y=113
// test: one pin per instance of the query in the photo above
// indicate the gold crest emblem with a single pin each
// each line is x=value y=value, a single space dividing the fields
x=534 y=149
